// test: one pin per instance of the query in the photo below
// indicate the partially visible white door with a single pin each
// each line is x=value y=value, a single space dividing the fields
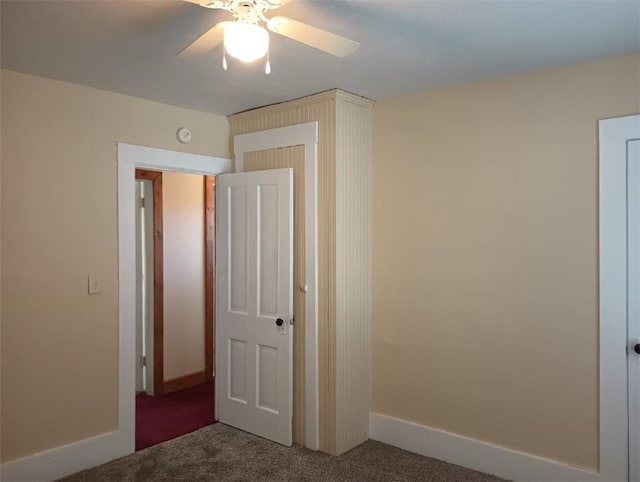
x=633 y=300
x=144 y=287
x=139 y=291
x=619 y=289
x=254 y=291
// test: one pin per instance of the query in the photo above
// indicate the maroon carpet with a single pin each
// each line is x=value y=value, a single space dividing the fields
x=165 y=417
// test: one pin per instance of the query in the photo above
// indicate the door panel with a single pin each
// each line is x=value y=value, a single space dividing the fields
x=238 y=284
x=267 y=378
x=254 y=237
x=237 y=370
x=268 y=254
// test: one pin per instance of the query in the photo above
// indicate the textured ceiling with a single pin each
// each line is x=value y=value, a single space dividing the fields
x=130 y=46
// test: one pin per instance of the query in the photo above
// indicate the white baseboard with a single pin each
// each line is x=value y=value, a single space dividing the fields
x=471 y=453
x=474 y=454
x=67 y=459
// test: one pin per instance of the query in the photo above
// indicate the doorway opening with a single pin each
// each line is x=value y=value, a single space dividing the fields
x=131 y=157
x=175 y=304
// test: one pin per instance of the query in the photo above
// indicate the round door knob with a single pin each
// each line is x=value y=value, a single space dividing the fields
x=637 y=348
x=279 y=322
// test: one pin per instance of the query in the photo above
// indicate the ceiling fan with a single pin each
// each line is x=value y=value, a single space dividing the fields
x=246 y=38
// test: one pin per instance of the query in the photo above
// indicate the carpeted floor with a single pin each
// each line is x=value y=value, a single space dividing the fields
x=165 y=417
x=220 y=452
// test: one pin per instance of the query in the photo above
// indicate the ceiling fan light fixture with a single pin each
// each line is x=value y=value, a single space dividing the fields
x=246 y=42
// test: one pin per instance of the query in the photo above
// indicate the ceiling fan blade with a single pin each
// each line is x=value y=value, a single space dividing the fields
x=313 y=37
x=208 y=3
x=277 y=3
x=206 y=42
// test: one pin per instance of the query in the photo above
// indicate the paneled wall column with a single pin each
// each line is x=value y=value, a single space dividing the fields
x=344 y=257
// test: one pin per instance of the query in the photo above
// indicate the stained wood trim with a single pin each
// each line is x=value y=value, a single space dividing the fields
x=147 y=175
x=210 y=285
x=186 y=381
x=158 y=280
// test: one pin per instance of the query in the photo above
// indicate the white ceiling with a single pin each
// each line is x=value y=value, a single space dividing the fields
x=406 y=46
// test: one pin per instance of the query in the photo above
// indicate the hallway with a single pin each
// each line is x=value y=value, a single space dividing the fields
x=165 y=417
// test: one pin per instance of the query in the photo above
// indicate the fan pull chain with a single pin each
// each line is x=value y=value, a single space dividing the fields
x=267 y=67
x=224 y=58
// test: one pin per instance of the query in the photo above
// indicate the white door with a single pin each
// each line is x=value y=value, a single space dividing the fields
x=254 y=292
x=139 y=292
x=144 y=286
x=633 y=310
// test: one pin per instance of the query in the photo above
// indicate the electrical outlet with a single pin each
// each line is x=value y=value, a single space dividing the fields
x=94 y=285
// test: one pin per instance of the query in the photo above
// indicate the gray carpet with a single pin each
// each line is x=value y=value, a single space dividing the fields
x=220 y=452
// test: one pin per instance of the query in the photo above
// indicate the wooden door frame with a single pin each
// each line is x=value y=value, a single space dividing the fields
x=160 y=385
x=210 y=274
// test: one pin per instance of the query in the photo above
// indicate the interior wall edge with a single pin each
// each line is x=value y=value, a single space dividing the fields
x=354 y=184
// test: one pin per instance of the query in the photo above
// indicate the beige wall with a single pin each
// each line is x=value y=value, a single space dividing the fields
x=485 y=256
x=59 y=345
x=184 y=266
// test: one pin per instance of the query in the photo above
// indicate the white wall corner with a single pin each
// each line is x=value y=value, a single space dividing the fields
x=66 y=460
x=471 y=453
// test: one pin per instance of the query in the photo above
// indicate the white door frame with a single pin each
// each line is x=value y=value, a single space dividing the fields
x=614 y=424
x=300 y=134
x=633 y=303
x=129 y=158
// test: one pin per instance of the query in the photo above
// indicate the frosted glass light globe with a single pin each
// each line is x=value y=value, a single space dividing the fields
x=246 y=41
